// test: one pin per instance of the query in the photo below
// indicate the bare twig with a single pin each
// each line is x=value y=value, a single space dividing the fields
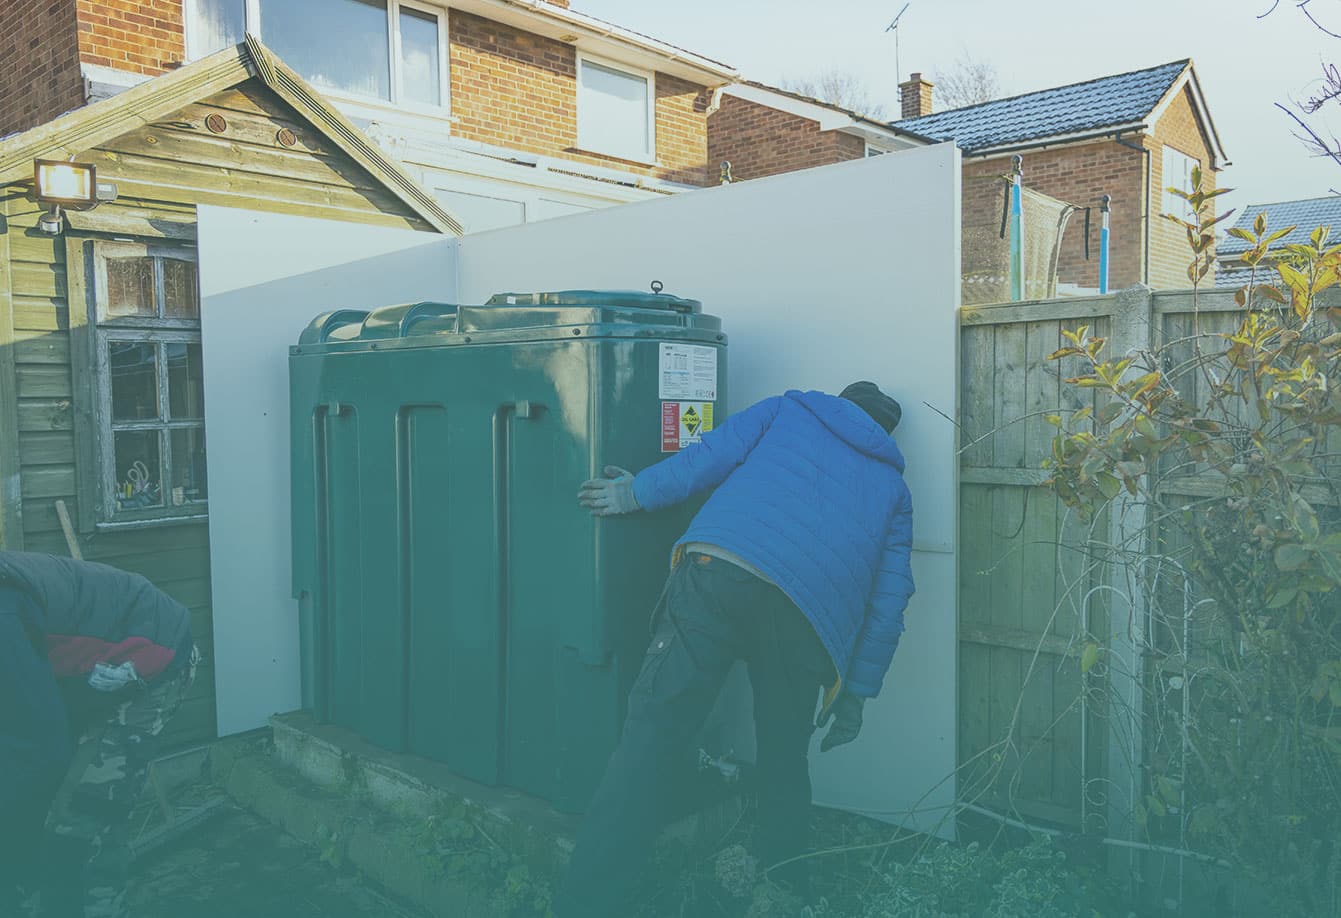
x=1313 y=138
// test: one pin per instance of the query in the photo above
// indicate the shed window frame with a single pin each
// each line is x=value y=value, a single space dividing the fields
x=585 y=142
x=100 y=427
x=256 y=26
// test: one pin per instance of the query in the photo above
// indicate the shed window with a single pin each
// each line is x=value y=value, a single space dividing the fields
x=615 y=111
x=1177 y=173
x=149 y=380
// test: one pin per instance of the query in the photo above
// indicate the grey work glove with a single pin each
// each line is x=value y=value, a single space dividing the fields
x=611 y=495
x=846 y=714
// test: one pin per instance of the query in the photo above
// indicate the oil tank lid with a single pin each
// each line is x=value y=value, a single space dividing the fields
x=629 y=299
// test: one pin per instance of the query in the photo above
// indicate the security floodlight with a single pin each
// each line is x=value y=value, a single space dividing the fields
x=65 y=184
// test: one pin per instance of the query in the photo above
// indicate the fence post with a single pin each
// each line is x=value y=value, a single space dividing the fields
x=1131 y=330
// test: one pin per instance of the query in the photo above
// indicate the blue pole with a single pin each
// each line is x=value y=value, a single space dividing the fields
x=1104 y=206
x=1017 y=232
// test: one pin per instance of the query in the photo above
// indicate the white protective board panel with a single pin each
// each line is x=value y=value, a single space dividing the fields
x=263 y=278
x=821 y=277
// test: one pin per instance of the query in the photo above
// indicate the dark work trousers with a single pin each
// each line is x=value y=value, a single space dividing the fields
x=715 y=613
x=35 y=745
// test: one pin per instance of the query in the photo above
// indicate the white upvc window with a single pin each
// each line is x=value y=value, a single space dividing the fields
x=616 y=110
x=875 y=150
x=1177 y=173
x=386 y=50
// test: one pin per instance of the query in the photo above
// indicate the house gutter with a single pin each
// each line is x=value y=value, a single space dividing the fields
x=1145 y=206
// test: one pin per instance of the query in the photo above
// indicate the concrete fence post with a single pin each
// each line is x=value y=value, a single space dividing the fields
x=1131 y=331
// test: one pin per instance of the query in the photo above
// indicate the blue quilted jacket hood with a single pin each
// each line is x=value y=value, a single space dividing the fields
x=809 y=490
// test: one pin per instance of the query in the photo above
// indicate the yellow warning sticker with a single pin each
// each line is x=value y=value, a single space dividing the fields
x=684 y=424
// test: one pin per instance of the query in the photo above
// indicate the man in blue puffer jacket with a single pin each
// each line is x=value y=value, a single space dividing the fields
x=798 y=564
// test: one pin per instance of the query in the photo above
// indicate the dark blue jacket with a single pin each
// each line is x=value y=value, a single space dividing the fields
x=810 y=491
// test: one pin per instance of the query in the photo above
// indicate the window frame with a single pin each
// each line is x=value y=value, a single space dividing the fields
x=1169 y=203
x=649 y=77
x=92 y=333
x=255 y=26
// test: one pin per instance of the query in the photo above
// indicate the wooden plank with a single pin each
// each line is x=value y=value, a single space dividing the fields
x=83 y=379
x=1039 y=548
x=975 y=559
x=47 y=481
x=56 y=448
x=1042 y=390
x=1037 y=726
x=11 y=492
x=255 y=199
x=1027 y=642
x=37 y=247
x=43 y=381
x=40 y=314
x=203 y=149
x=1003 y=701
x=1181 y=301
x=994 y=476
x=975 y=693
x=251 y=98
x=976 y=395
x=1079 y=308
x=38 y=414
x=138 y=169
x=247 y=125
x=40 y=280
x=1008 y=449
x=1008 y=507
x=1068 y=752
x=155 y=223
x=111 y=547
x=51 y=348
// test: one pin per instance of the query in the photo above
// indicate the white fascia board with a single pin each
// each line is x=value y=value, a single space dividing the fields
x=829 y=119
x=1189 y=79
x=601 y=38
x=104 y=82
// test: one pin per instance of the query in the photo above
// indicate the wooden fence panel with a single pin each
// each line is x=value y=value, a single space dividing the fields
x=1028 y=742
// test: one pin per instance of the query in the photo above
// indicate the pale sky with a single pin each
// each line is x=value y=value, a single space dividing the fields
x=1244 y=64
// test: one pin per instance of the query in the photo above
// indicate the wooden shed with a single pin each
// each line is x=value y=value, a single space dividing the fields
x=101 y=388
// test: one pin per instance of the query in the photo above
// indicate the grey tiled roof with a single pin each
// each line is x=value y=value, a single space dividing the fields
x=1305 y=216
x=1106 y=102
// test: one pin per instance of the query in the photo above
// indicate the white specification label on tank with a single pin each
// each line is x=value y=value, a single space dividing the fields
x=688 y=373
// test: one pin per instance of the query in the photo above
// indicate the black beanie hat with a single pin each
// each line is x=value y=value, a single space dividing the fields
x=868 y=397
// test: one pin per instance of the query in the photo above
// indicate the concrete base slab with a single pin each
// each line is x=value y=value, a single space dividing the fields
x=334 y=758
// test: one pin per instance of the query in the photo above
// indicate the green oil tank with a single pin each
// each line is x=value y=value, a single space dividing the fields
x=456 y=601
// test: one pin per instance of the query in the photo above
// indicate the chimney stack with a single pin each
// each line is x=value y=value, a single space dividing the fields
x=915 y=97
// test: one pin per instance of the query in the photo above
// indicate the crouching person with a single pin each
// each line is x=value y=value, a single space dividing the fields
x=93 y=662
x=798 y=564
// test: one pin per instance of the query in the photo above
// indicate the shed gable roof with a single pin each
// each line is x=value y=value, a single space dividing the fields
x=1123 y=100
x=84 y=128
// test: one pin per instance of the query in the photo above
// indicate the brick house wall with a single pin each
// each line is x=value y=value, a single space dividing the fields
x=137 y=36
x=40 y=77
x=515 y=89
x=510 y=88
x=1077 y=175
x=760 y=141
x=1178 y=128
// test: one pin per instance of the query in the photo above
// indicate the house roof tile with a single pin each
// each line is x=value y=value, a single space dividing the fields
x=1105 y=102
